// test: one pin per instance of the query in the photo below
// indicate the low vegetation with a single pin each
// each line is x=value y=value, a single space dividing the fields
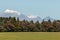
x=29 y=36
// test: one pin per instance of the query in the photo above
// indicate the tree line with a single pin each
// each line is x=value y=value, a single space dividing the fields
x=12 y=24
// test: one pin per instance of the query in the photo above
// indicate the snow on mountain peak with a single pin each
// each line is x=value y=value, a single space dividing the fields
x=12 y=11
x=32 y=16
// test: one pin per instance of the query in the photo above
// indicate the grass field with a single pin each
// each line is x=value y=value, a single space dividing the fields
x=30 y=36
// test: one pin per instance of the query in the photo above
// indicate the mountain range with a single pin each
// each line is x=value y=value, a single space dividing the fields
x=21 y=16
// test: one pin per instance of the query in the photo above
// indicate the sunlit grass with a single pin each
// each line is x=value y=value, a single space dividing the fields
x=30 y=36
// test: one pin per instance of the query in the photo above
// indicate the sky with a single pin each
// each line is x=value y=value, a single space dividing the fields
x=40 y=8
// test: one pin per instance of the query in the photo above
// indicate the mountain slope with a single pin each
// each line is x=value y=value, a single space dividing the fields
x=48 y=18
x=34 y=18
x=13 y=13
x=22 y=17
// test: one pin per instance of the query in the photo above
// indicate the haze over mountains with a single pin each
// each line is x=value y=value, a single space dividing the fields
x=13 y=13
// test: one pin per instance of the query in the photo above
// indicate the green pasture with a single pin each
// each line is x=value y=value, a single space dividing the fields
x=29 y=35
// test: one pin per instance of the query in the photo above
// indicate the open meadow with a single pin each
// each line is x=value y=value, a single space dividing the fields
x=30 y=36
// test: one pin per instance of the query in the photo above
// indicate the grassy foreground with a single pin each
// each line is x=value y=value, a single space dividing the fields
x=30 y=36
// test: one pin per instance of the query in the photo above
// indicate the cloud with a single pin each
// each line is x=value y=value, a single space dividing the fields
x=11 y=11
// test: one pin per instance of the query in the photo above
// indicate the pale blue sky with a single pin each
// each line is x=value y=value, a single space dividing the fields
x=40 y=8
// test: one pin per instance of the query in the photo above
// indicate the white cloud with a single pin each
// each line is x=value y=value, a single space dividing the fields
x=32 y=16
x=11 y=11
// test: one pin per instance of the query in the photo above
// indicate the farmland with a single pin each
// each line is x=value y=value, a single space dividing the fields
x=30 y=36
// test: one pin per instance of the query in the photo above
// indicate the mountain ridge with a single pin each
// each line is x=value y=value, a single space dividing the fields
x=21 y=16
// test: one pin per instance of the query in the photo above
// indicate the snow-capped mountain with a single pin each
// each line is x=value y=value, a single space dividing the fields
x=9 y=12
x=34 y=18
x=22 y=17
x=48 y=18
x=13 y=13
